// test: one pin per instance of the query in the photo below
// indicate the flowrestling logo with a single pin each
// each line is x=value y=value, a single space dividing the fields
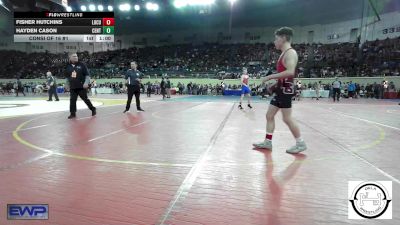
x=27 y=211
x=370 y=200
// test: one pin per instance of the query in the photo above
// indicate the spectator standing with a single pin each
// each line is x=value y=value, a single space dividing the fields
x=376 y=89
x=180 y=87
x=317 y=89
x=19 y=87
x=189 y=88
x=358 y=88
x=148 y=89
x=52 y=86
x=336 y=85
x=168 y=88
x=158 y=88
x=351 y=88
x=93 y=87
x=162 y=86
x=299 y=87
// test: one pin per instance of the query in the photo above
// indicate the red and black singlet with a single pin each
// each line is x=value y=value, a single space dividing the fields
x=285 y=85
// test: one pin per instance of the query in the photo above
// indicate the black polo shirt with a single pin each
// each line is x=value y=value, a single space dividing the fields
x=76 y=74
x=132 y=76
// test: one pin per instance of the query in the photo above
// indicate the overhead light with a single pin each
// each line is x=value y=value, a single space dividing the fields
x=156 y=7
x=2 y=4
x=232 y=1
x=92 y=7
x=152 y=6
x=125 y=7
x=110 y=8
x=83 y=8
x=184 y=3
x=69 y=9
x=100 y=8
x=180 y=3
x=149 y=5
x=137 y=7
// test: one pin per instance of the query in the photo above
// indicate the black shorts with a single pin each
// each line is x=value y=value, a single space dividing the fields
x=282 y=101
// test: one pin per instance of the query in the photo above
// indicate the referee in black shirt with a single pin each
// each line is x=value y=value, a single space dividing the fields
x=133 y=78
x=77 y=80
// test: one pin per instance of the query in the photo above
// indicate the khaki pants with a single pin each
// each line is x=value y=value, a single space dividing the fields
x=168 y=92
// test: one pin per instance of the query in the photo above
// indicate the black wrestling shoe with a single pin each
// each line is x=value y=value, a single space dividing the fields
x=94 y=112
x=240 y=106
x=71 y=116
x=126 y=110
x=140 y=110
x=249 y=106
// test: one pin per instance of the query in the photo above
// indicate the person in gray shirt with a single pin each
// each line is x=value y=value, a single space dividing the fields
x=52 y=85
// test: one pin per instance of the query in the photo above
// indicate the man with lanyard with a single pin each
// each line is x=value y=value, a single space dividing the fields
x=52 y=85
x=77 y=81
x=282 y=100
x=133 y=78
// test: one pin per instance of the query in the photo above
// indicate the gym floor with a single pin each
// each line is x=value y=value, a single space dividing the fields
x=189 y=160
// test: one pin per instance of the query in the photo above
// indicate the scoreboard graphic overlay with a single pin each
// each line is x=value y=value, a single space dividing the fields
x=64 y=26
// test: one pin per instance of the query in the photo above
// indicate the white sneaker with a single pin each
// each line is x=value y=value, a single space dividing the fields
x=299 y=147
x=266 y=144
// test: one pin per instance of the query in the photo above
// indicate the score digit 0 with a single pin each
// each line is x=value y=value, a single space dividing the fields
x=108 y=21
x=108 y=30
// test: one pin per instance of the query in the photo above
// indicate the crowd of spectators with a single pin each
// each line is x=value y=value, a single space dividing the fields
x=7 y=88
x=355 y=90
x=373 y=58
x=193 y=88
x=369 y=90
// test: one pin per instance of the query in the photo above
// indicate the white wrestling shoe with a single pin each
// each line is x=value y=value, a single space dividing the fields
x=299 y=147
x=266 y=144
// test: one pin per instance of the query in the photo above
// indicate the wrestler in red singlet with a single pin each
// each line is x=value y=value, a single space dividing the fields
x=284 y=91
x=284 y=85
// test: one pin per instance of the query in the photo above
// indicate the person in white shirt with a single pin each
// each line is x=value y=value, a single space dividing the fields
x=93 y=87
x=336 y=89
